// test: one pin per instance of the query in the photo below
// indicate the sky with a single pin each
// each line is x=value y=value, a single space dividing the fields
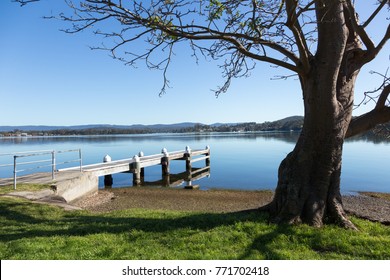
x=48 y=77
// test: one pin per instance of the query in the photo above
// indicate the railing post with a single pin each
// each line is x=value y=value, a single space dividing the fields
x=208 y=154
x=15 y=172
x=53 y=164
x=81 y=160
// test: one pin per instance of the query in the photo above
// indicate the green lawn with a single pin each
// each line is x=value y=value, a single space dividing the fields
x=23 y=187
x=36 y=231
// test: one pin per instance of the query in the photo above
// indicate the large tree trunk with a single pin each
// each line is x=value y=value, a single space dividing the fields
x=308 y=187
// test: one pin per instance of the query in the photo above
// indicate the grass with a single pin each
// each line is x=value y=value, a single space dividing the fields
x=23 y=187
x=36 y=231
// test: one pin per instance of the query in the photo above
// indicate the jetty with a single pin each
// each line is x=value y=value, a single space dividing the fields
x=72 y=183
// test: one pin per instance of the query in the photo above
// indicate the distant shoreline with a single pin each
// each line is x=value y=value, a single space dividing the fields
x=151 y=133
x=289 y=124
x=286 y=124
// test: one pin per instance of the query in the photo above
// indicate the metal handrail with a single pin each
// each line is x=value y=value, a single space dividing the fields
x=53 y=161
x=26 y=152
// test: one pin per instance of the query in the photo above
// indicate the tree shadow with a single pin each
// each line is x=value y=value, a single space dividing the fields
x=11 y=211
x=264 y=243
x=83 y=223
x=77 y=224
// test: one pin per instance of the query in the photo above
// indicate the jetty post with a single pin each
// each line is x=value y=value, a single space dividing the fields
x=108 y=181
x=165 y=162
x=136 y=171
x=142 y=170
x=187 y=157
x=208 y=156
x=166 y=178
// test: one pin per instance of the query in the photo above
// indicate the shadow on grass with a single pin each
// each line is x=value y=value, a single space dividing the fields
x=26 y=220
x=14 y=211
x=265 y=243
x=24 y=216
x=81 y=224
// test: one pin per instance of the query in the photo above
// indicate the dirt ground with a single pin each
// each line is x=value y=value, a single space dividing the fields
x=368 y=207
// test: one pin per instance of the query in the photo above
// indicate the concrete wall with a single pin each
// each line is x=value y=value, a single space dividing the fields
x=77 y=187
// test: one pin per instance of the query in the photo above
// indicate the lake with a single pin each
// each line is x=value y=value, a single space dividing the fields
x=246 y=161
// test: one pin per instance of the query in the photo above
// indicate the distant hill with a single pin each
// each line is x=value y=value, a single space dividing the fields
x=29 y=128
x=290 y=123
x=43 y=128
x=286 y=124
x=293 y=123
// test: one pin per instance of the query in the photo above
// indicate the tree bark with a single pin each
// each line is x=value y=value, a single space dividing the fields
x=308 y=188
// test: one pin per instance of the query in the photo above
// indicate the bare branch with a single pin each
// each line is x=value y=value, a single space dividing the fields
x=383 y=98
x=24 y=2
x=358 y=28
x=237 y=32
x=379 y=115
x=373 y=96
x=371 y=54
x=368 y=121
x=372 y=51
x=375 y=13
x=293 y=24
x=233 y=28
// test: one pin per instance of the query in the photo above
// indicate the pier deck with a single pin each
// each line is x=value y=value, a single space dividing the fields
x=74 y=182
x=128 y=165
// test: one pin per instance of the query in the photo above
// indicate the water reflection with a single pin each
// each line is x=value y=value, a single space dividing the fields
x=288 y=137
x=184 y=179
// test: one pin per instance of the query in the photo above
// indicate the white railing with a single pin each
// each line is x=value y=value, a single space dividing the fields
x=41 y=163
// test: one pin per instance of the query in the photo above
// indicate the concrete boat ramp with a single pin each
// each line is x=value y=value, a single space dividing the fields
x=71 y=184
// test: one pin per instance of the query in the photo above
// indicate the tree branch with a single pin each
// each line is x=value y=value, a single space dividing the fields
x=383 y=98
x=375 y=13
x=196 y=32
x=371 y=54
x=293 y=24
x=24 y=2
x=379 y=115
x=368 y=121
x=372 y=51
x=358 y=28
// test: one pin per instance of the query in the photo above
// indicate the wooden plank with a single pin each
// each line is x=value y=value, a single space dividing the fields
x=151 y=162
x=200 y=170
x=199 y=152
x=99 y=165
x=108 y=171
x=199 y=159
x=176 y=155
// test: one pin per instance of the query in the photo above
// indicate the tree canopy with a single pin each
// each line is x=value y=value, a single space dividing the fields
x=237 y=33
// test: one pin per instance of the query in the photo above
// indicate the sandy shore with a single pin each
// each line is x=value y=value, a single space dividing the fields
x=372 y=208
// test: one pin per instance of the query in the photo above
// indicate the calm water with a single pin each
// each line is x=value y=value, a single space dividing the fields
x=238 y=161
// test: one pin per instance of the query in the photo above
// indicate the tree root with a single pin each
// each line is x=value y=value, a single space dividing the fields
x=336 y=216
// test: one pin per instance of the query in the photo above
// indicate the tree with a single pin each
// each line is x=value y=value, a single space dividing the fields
x=321 y=41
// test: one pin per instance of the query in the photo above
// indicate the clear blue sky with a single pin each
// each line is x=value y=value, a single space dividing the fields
x=48 y=77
